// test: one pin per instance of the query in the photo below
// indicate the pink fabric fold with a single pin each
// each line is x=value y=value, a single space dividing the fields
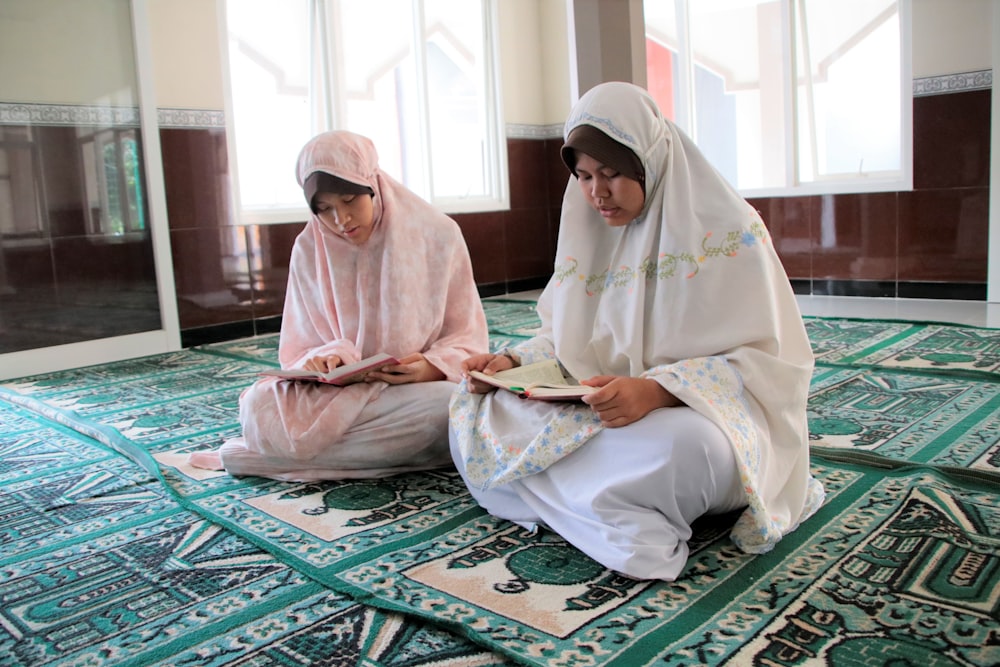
x=408 y=289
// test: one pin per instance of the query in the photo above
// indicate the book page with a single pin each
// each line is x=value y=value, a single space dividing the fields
x=341 y=375
x=542 y=373
x=541 y=381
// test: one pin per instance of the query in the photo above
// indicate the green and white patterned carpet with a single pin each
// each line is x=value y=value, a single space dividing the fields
x=115 y=552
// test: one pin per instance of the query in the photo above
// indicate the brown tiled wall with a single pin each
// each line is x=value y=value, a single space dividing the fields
x=865 y=244
x=900 y=243
x=231 y=278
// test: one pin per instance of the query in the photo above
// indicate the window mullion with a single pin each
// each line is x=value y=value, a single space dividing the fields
x=423 y=103
x=322 y=97
x=791 y=95
x=810 y=101
x=684 y=109
x=496 y=163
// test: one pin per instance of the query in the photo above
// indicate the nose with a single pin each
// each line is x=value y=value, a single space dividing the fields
x=598 y=189
x=340 y=217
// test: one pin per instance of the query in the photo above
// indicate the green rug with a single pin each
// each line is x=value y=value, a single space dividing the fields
x=102 y=566
x=108 y=563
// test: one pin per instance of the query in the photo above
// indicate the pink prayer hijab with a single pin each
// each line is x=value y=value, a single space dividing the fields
x=409 y=288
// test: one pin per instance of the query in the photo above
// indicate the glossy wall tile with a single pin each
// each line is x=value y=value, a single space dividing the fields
x=866 y=244
x=76 y=260
x=951 y=140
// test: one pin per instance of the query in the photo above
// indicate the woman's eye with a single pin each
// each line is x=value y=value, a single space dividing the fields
x=348 y=199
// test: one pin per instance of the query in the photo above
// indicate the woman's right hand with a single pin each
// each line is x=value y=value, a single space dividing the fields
x=484 y=363
x=323 y=363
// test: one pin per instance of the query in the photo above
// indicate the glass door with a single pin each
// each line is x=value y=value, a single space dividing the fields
x=85 y=270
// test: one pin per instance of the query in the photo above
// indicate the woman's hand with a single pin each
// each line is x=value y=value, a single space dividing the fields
x=485 y=363
x=414 y=368
x=323 y=364
x=623 y=400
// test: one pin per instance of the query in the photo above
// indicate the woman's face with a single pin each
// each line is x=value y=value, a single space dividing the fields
x=619 y=199
x=349 y=216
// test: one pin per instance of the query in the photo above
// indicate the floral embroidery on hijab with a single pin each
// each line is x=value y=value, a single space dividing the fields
x=665 y=265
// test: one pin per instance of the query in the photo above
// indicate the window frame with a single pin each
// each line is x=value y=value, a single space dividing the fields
x=822 y=185
x=325 y=115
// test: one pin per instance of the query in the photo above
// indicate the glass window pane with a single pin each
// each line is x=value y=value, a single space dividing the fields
x=456 y=94
x=269 y=69
x=738 y=77
x=662 y=54
x=848 y=54
x=416 y=85
x=378 y=93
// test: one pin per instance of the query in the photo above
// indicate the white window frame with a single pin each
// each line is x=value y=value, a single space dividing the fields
x=326 y=111
x=685 y=116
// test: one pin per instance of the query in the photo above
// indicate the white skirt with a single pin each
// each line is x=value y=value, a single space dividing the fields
x=628 y=496
x=405 y=428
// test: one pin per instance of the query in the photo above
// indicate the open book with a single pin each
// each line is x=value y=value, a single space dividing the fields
x=341 y=375
x=541 y=381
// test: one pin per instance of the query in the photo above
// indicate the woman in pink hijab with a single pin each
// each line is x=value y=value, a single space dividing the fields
x=377 y=269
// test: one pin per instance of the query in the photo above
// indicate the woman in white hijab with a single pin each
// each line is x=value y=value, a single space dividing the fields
x=668 y=296
x=376 y=269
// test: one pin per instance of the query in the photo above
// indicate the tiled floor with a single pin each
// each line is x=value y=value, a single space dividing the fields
x=974 y=313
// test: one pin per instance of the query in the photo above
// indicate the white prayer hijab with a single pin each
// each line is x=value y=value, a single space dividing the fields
x=692 y=294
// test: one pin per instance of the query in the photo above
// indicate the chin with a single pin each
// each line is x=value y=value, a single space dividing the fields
x=618 y=222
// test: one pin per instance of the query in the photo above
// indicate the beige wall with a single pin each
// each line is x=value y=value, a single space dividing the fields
x=951 y=36
x=58 y=52
x=186 y=62
x=534 y=61
x=555 y=62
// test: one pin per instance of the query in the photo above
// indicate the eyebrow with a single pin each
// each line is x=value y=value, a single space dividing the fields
x=602 y=168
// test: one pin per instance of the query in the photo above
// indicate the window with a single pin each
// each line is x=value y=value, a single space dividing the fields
x=20 y=216
x=415 y=76
x=788 y=96
x=112 y=182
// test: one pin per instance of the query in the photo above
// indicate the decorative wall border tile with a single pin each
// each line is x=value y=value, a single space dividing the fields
x=68 y=114
x=524 y=131
x=953 y=83
x=106 y=116
x=191 y=118
x=109 y=116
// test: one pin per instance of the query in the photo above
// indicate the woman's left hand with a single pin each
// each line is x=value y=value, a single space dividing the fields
x=623 y=400
x=413 y=368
